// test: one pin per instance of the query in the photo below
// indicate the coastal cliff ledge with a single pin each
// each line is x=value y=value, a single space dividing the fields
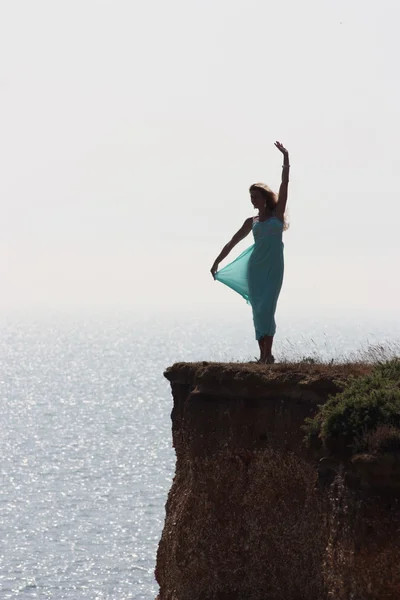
x=251 y=515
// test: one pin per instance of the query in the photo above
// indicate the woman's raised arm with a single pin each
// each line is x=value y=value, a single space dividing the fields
x=283 y=190
x=238 y=237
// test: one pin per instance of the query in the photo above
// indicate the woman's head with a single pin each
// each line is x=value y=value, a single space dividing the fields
x=262 y=196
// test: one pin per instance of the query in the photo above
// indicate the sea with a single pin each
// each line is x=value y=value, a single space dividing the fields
x=86 y=459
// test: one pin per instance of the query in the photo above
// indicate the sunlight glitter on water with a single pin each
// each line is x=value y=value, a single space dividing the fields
x=85 y=453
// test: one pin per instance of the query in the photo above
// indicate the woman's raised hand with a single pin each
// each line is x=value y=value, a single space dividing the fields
x=281 y=147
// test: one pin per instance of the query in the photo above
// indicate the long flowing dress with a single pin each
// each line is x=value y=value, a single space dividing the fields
x=257 y=274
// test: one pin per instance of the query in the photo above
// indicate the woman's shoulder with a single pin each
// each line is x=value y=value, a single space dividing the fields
x=248 y=222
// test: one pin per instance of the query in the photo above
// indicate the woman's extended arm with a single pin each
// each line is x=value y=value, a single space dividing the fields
x=238 y=237
x=283 y=190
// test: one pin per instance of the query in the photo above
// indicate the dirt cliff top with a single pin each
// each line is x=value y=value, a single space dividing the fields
x=293 y=379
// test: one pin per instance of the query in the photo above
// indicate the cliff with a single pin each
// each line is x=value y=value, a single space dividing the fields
x=252 y=513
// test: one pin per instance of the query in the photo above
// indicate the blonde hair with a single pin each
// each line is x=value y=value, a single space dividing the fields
x=271 y=199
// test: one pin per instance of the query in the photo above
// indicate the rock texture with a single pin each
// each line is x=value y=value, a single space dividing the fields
x=251 y=515
x=363 y=548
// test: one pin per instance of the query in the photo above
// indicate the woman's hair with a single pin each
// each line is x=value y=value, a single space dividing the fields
x=271 y=199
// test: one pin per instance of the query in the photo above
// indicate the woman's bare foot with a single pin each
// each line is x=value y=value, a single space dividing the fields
x=269 y=360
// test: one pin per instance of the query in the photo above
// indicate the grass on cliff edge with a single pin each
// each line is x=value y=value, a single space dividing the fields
x=364 y=417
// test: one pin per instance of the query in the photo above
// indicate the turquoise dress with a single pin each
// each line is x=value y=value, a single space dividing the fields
x=257 y=274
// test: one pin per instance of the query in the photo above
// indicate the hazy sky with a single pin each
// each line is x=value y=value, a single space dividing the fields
x=130 y=132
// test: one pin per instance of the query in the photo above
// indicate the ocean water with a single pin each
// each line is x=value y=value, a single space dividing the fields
x=85 y=446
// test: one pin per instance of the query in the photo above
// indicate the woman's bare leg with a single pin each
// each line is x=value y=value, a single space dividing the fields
x=266 y=349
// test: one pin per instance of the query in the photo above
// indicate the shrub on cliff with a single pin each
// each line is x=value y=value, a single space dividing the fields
x=364 y=417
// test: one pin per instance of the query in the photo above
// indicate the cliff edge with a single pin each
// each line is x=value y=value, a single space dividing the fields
x=253 y=514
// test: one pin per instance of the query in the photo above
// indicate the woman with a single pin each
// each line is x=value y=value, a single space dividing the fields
x=258 y=272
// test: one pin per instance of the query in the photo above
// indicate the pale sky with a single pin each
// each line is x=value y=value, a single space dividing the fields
x=130 y=132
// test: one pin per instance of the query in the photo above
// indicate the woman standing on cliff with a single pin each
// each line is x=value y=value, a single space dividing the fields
x=257 y=273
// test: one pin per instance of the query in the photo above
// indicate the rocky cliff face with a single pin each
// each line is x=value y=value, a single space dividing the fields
x=250 y=515
x=362 y=558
